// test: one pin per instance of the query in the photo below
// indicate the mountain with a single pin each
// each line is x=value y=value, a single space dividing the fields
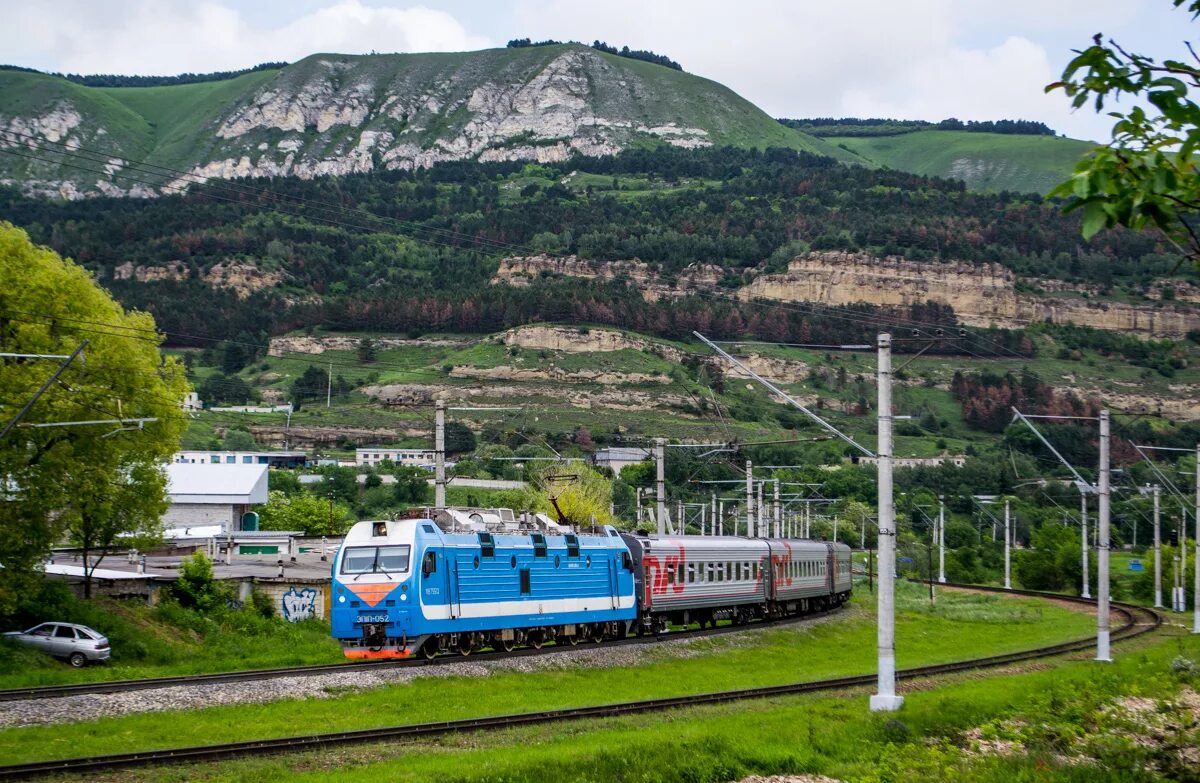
x=341 y=114
x=990 y=162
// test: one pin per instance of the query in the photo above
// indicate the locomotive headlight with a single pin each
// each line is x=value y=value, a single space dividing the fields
x=403 y=597
x=341 y=599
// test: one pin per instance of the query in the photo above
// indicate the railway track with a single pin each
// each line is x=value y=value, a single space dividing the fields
x=121 y=686
x=1135 y=621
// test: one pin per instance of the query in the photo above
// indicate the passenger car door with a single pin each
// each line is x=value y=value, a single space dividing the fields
x=40 y=636
x=63 y=641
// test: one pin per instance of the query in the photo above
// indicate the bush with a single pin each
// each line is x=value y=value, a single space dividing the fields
x=262 y=603
x=196 y=588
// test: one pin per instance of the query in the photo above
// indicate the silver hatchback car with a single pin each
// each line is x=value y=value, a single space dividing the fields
x=78 y=644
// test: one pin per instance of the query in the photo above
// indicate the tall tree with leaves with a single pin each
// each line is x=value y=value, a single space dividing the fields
x=1146 y=175
x=61 y=479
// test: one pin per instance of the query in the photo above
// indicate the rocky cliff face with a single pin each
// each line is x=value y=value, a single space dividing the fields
x=341 y=114
x=981 y=295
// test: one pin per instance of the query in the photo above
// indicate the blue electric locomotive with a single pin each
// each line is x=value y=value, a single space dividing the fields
x=407 y=587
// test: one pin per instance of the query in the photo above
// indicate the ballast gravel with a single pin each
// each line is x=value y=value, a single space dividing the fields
x=73 y=709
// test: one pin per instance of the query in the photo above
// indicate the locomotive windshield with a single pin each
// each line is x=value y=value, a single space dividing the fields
x=375 y=559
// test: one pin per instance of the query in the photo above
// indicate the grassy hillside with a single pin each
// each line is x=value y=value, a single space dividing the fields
x=338 y=114
x=985 y=161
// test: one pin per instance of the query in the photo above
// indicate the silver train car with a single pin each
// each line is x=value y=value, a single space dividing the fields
x=703 y=579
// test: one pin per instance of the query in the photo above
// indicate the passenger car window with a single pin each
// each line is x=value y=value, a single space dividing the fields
x=42 y=630
x=64 y=632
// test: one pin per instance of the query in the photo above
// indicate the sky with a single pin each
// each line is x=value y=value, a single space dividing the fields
x=907 y=59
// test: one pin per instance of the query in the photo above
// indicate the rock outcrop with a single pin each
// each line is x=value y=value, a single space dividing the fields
x=350 y=114
x=981 y=294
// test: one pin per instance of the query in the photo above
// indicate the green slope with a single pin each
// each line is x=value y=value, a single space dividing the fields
x=333 y=113
x=985 y=161
x=180 y=117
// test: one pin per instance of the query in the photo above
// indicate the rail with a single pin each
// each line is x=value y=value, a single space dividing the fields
x=1129 y=628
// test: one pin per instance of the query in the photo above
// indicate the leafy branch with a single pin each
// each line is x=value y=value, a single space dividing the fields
x=1146 y=176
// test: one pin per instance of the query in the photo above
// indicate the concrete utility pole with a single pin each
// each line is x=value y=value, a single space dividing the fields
x=749 y=499
x=776 y=512
x=660 y=492
x=1102 y=648
x=1087 y=579
x=439 y=454
x=720 y=517
x=886 y=699
x=1007 y=545
x=715 y=518
x=1157 y=548
x=760 y=530
x=941 y=539
x=638 y=507
x=681 y=517
x=1196 y=555
x=329 y=387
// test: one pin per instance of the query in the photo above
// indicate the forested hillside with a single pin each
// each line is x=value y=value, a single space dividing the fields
x=417 y=249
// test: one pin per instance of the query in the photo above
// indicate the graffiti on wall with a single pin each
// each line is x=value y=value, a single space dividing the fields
x=299 y=604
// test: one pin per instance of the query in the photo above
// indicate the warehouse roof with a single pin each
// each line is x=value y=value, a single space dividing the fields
x=217 y=484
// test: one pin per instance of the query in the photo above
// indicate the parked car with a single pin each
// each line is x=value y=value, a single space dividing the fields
x=78 y=644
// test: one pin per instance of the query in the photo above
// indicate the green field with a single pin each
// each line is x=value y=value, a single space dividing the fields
x=985 y=161
x=959 y=626
x=1075 y=722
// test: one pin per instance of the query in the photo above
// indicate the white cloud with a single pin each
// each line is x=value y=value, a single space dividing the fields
x=920 y=59
x=148 y=37
x=912 y=59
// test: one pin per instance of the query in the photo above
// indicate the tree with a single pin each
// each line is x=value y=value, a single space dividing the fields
x=459 y=438
x=106 y=509
x=313 y=384
x=219 y=388
x=49 y=305
x=313 y=515
x=1146 y=175
x=583 y=496
x=411 y=486
x=366 y=350
x=240 y=440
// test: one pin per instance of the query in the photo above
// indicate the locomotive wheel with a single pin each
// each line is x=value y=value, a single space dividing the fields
x=536 y=639
x=507 y=645
x=429 y=650
x=598 y=633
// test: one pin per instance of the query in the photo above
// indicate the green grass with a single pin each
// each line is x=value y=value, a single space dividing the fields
x=958 y=627
x=985 y=161
x=1063 y=709
x=168 y=641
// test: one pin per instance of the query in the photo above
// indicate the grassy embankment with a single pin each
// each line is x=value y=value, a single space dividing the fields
x=960 y=626
x=1074 y=722
x=168 y=640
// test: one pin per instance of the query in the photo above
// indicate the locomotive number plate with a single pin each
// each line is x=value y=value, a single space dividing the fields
x=372 y=618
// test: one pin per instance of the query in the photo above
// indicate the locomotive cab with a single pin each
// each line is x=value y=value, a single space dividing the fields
x=374 y=586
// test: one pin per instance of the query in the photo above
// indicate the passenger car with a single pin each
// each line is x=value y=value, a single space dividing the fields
x=78 y=644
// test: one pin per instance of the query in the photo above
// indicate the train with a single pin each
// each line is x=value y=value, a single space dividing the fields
x=460 y=582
